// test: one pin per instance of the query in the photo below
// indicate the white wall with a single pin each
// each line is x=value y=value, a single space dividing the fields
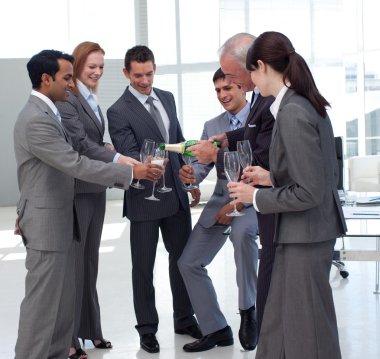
x=14 y=91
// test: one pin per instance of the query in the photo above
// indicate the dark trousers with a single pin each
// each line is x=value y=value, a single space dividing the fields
x=144 y=236
x=268 y=250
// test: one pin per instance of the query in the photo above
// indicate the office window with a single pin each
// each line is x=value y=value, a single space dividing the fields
x=27 y=27
x=199 y=30
x=111 y=24
x=52 y=24
x=162 y=30
x=199 y=103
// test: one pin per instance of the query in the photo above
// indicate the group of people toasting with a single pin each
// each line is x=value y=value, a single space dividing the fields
x=287 y=197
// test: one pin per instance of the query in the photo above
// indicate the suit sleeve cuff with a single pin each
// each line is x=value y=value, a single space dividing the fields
x=254 y=200
x=116 y=158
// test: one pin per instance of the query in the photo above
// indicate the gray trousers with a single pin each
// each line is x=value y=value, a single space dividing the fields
x=46 y=313
x=299 y=317
x=202 y=247
x=90 y=209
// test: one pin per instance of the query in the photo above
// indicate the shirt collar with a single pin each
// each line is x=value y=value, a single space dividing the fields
x=47 y=100
x=242 y=114
x=85 y=91
x=140 y=96
x=276 y=104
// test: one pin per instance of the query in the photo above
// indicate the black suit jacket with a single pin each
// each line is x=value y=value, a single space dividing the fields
x=258 y=130
x=129 y=123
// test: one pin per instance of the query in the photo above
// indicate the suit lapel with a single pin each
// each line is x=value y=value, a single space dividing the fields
x=44 y=107
x=91 y=114
x=171 y=116
x=254 y=108
x=142 y=113
x=54 y=118
x=103 y=122
x=225 y=123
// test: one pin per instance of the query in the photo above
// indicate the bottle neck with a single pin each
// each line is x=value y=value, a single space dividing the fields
x=175 y=147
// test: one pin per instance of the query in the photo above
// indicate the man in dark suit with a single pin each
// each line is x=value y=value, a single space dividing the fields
x=130 y=122
x=258 y=130
x=46 y=167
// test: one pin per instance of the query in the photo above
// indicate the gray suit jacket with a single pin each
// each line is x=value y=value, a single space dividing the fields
x=129 y=123
x=86 y=133
x=220 y=196
x=304 y=172
x=46 y=167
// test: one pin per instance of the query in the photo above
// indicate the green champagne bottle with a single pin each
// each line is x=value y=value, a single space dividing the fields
x=182 y=147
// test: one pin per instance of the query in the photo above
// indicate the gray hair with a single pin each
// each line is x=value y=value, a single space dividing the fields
x=237 y=46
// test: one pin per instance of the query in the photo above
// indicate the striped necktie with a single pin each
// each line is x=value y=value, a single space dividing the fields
x=155 y=113
x=234 y=123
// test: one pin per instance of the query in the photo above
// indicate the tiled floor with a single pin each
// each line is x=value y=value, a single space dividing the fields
x=358 y=309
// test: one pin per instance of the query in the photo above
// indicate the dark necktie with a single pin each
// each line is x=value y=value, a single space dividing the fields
x=157 y=118
x=254 y=98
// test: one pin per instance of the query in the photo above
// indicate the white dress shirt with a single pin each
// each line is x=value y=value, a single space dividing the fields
x=142 y=98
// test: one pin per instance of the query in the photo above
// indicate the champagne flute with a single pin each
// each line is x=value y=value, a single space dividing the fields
x=245 y=153
x=188 y=160
x=157 y=159
x=165 y=189
x=146 y=150
x=232 y=171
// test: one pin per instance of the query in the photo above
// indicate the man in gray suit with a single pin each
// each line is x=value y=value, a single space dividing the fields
x=46 y=167
x=130 y=121
x=207 y=237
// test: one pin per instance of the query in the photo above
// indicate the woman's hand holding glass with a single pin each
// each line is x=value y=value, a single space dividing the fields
x=241 y=192
x=256 y=175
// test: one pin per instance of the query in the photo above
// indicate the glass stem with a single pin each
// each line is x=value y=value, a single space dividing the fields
x=154 y=185
x=163 y=181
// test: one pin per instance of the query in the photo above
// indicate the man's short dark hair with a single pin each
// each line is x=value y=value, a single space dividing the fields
x=139 y=53
x=218 y=75
x=45 y=62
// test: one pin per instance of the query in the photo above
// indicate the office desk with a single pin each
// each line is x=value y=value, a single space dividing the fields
x=363 y=222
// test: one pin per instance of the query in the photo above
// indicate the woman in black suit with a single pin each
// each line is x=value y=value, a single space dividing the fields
x=299 y=318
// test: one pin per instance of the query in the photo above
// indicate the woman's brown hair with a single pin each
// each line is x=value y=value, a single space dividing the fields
x=80 y=54
x=276 y=50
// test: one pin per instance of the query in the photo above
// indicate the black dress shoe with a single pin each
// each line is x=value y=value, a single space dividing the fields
x=248 y=329
x=221 y=338
x=192 y=330
x=149 y=343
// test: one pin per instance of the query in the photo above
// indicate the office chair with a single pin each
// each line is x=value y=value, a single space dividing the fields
x=339 y=153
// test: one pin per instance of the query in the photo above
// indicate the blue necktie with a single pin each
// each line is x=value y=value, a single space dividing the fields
x=94 y=106
x=234 y=123
x=58 y=115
